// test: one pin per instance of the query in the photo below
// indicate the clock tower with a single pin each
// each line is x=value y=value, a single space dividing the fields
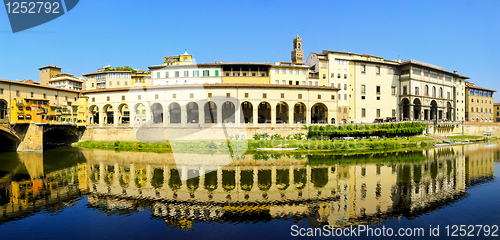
x=297 y=53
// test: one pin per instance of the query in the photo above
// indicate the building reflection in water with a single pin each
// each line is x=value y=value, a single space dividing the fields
x=336 y=191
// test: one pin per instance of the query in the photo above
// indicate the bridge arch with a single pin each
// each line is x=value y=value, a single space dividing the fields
x=8 y=140
x=59 y=135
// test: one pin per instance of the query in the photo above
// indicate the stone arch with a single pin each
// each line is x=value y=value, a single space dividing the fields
x=3 y=109
x=192 y=113
x=247 y=112
x=319 y=114
x=210 y=110
x=332 y=121
x=157 y=113
x=93 y=113
x=434 y=110
x=264 y=112
x=124 y=111
x=417 y=108
x=228 y=112
x=174 y=110
x=140 y=113
x=109 y=114
x=299 y=113
x=406 y=108
x=282 y=112
x=449 y=112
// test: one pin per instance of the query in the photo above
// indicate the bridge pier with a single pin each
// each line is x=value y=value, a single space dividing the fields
x=33 y=139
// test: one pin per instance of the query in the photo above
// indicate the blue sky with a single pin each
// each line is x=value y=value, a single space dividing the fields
x=457 y=35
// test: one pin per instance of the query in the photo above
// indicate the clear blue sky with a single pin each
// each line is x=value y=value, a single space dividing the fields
x=457 y=35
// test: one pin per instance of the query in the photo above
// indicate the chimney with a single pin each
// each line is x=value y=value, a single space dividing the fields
x=215 y=62
x=455 y=71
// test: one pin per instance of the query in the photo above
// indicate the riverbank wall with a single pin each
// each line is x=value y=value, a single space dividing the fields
x=160 y=133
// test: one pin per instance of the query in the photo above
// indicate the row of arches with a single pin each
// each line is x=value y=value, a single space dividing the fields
x=415 y=111
x=209 y=113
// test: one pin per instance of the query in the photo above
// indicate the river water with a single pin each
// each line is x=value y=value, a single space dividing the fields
x=74 y=193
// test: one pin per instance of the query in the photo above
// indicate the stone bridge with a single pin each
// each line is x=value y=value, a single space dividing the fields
x=33 y=137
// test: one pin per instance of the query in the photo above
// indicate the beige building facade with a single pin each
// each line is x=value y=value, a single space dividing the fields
x=206 y=105
x=496 y=112
x=479 y=104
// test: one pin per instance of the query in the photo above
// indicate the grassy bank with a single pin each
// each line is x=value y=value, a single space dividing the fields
x=210 y=146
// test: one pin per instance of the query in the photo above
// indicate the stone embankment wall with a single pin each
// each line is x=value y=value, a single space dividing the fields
x=153 y=134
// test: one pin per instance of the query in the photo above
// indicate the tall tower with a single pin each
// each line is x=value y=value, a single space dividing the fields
x=48 y=72
x=297 y=53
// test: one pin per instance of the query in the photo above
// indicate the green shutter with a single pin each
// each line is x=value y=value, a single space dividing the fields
x=216 y=73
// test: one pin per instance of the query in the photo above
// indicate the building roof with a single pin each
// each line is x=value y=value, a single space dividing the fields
x=215 y=85
x=480 y=88
x=496 y=104
x=113 y=71
x=49 y=66
x=206 y=64
x=38 y=86
x=64 y=78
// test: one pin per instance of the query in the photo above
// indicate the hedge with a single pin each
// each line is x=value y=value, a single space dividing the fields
x=379 y=130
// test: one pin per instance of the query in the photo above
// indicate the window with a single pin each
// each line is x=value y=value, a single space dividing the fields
x=282 y=95
x=417 y=91
x=378 y=90
x=441 y=92
x=338 y=75
x=210 y=95
x=393 y=90
x=299 y=96
x=228 y=95
x=1 y=90
x=32 y=94
x=363 y=97
x=324 y=76
x=303 y=72
x=345 y=76
x=363 y=68
x=196 y=73
x=18 y=94
x=345 y=96
x=138 y=97
x=108 y=98
x=426 y=90
x=284 y=71
x=378 y=113
x=345 y=110
x=123 y=98
x=174 y=96
x=216 y=73
x=377 y=70
x=93 y=99
x=186 y=73
x=433 y=91
x=345 y=86
x=246 y=95
x=157 y=74
x=283 y=82
x=319 y=96
x=363 y=112
x=264 y=95
x=191 y=95
x=277 y=82
x=277 y=71
x=393 y=112
x=448 y=95
x=176 y=74
x=363 y=89
x=333 y=97
x=332 y=75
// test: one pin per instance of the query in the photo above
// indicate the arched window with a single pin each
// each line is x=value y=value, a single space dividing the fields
x=426 y=90
x=433 y=91
x=441 y=92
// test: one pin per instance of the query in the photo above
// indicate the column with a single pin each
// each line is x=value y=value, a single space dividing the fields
x=237 y=115
x=165 y=116
x=219 y=113
x=101 y=173
x=201 y=172
x=290 y=177
x=116 y=118
x=183 y=116
x=132 y=116
x=116 y=179
x=101 y=118
x=255 y=116
x=131 y=183
x=308 y=115
x=273 y=116
x=201 y=114
x=149 y=176
x=291 y=110
x=237 y=178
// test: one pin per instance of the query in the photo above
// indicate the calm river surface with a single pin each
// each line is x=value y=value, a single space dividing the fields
x=72 y=193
